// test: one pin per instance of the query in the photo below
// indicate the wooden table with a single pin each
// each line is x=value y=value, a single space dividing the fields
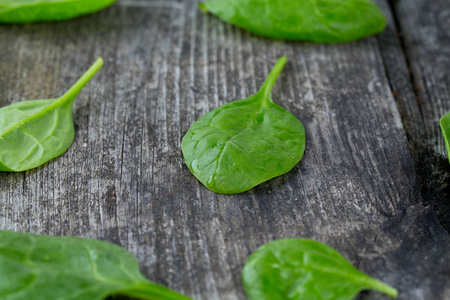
x=373 y=183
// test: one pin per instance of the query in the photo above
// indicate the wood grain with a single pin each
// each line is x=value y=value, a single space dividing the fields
x=425 y=37
x=166 y=64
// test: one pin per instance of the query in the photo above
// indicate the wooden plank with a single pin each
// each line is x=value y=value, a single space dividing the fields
x=124 y=179
x=426 y=97
x=431 y=167
x=417 y=65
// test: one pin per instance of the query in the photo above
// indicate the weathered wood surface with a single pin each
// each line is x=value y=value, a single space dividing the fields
x=426 y=37
x=166 y=64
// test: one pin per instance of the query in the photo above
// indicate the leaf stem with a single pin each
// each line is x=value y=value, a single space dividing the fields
x=382 y=287
x=67 y=97
x=76 y=88
x=152 y=291
x=267 y=87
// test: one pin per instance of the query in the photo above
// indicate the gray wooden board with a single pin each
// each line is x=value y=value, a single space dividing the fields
x=166 y=64
x=425 y=34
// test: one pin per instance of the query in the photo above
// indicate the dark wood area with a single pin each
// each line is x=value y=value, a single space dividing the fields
x=373 y=183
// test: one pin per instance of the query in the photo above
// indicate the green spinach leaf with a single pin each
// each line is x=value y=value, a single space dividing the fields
x=445 y=125
x=29 y=11
x=36 y=267
x=35 y=131
x=243 y=143
x=298 y=269
x=308 y=20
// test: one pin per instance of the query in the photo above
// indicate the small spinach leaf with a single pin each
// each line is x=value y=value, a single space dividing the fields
x=36 y=267
x=298 y=269
x=243 y=143
x=309 y=20
x=35 y=131
x=29 y=11
x=445 y=125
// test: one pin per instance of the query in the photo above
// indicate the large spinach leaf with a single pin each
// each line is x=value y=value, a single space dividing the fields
x=299 y=269
x=28 y=11
x=309 y=20
x=445 y=125
x=35 y=131
x=243 y=143
x=37 y=267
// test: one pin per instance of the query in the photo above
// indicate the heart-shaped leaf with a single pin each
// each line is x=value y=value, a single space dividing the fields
x=35 y=131
x=36 y=267
x=299 y=269
x=29 y=11
x=243 y=143
x=308 y=20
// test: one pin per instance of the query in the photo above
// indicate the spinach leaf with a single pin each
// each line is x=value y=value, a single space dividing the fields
x=298 y=269
x=308 y=20
x=35 y=131
x=36 y=267
x=29 y=11
x=243 y=143
x=445 y=125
